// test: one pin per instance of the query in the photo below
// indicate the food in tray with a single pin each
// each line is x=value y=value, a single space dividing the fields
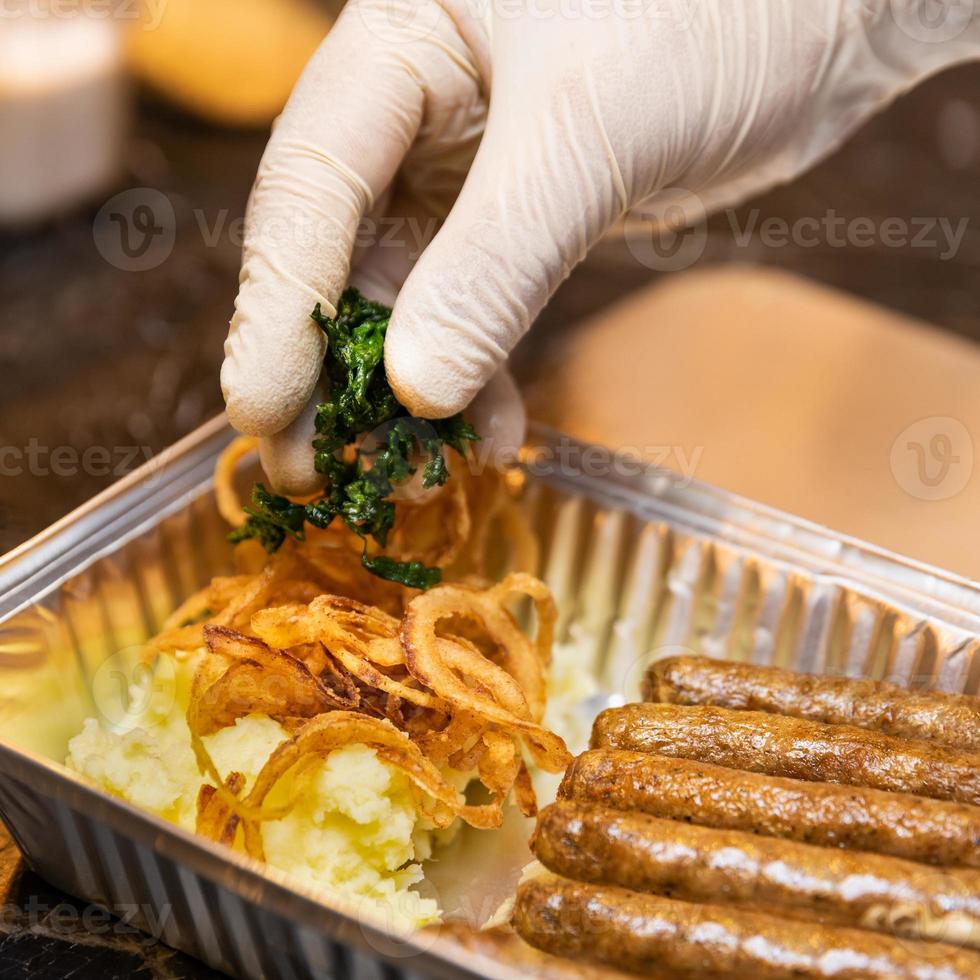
x=337 y=710
x=326 y=720
x=643 y=933
x=782 y=746
x=498 y=943
x=367 y=448
x=377 y=672
x=833 y=815
x=730 y=842
x=703 y=864
x=953 y=719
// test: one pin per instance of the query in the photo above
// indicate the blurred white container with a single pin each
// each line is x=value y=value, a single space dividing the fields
x=63 y=109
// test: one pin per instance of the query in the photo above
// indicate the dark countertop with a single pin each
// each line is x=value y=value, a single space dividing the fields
x=46 y=934
x=94 y=356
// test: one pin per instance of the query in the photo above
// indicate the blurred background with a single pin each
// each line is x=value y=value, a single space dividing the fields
x=815 y=349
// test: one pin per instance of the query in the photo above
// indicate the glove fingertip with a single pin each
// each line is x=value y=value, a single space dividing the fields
x=427 y=384
x=256 y=410
x=273 y=357
x=287 y=456
x=500 y=419
x=289 y=468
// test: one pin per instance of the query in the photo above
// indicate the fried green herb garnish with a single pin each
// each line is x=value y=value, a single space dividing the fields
x=411 y=573
x=270 y=519
x=361 y=403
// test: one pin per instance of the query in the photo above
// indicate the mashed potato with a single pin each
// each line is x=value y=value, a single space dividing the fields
x=355 y=832
x=570 y=686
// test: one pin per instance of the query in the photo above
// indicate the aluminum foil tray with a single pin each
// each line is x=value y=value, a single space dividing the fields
x=641 y=566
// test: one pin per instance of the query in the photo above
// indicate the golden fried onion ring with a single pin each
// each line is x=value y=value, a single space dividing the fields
x=216 y=818
x=443 y=680
x=229 y=505
x=259 y=679
x=458 y=672
x=320 y=736
x=437 y=700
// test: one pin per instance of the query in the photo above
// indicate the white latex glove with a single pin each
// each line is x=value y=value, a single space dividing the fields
x=534 y=125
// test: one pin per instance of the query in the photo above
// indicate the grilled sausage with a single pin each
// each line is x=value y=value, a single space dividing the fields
x=498 y=945
x=953 y=719
x=855 y=817
x=781 y=746
x=641 y=933
x=701 y=864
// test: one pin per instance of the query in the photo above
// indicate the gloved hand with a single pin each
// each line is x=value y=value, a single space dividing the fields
x=530 y=128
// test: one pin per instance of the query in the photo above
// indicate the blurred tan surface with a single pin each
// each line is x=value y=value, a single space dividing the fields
x=232 y=62
x=792 y=394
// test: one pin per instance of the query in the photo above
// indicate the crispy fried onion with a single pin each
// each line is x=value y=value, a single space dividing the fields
x=215 y=817
x=454 y=684
x=506 y=688
x=258 y=679
x=458 y=528
x=320 y=736
x=226 y=497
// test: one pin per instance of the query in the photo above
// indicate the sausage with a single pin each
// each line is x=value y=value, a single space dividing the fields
x=855 y=817
x=641 y=933
x=953 y=719
x=701 y=864
x=781 y=746
x=497 y=945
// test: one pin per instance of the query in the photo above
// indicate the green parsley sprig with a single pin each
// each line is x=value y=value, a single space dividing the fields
x=358 y=489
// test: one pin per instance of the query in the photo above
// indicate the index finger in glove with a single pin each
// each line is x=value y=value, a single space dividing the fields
x=287 y=457
x=339 y=142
